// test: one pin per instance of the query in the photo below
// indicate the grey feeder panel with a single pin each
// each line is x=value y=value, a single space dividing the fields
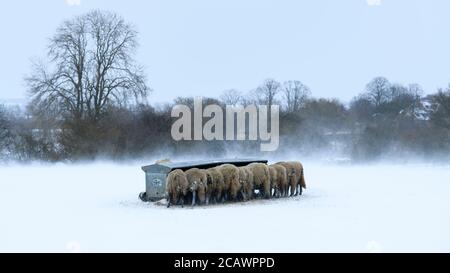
x=156 y=174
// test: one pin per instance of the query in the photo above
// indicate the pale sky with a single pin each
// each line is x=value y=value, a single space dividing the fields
x=202 y=47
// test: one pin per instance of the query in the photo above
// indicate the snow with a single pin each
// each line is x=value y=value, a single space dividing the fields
x=90 y=208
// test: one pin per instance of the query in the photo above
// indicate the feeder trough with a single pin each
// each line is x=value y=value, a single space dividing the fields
x=155 y=175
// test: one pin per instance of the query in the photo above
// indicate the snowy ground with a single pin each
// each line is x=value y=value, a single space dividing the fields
x=346 y=208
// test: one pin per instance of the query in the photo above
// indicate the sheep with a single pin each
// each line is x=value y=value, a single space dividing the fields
x=249 y=187
x=261 y=178
x=281 y=182
x=197 y=184
x=215 y=185
x=228 y=182
x=231 y=181
x=176 y=187
x=295 y=174
x=299 y=176
x=273 y=180
x=291 y=177
x=246 y=180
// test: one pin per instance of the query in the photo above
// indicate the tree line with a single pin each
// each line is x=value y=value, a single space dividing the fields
x=386 y=120
x=90 y=100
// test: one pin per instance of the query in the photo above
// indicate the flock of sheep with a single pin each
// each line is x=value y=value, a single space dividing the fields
x=230 y=183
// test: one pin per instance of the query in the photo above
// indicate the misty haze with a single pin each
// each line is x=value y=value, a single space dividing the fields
x=354 y=103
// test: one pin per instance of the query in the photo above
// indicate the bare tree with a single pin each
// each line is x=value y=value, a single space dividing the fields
x=440 y=110
x=231 y=97
x=5 y=133
x=378 y=91
x=415 y=89
x=295 y=94
x=415 y=93
x=397 y=90
x=267 y=91
x=92 y=67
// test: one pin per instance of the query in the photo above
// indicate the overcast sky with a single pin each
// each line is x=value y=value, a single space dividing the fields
x=202 y=47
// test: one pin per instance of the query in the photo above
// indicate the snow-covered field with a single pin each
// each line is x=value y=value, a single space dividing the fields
x=346 y=208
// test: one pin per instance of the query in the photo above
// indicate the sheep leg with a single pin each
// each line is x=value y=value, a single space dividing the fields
x=267 y=192
x=182 y=201
x=244 y=198
x=217 y=198
x=176 y=199
x=194 y=195
x=169 y=201
x=222 y=198
x=234 y=196
x=249 y=194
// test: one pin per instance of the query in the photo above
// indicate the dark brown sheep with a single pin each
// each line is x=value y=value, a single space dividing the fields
x=176 y=187
x=197 y=185
x=261 y=178
x=231 y=181
x=281 y=181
